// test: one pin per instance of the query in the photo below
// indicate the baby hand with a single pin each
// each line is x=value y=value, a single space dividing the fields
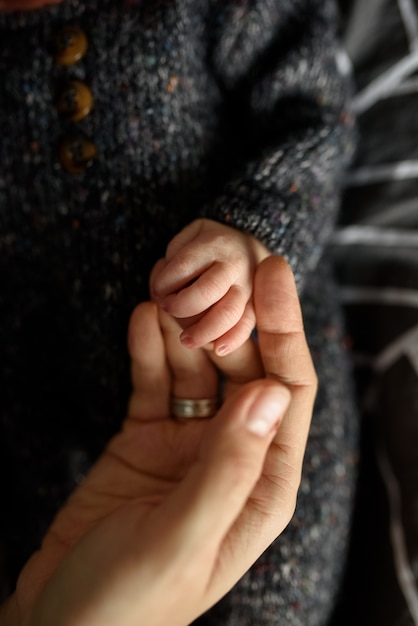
x=206 y=281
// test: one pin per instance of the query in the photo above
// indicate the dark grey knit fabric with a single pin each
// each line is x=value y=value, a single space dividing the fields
x=234 y=110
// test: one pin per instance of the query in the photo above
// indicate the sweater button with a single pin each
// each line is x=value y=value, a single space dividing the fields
x=70 y=45
x=75 y=101
x=76 y=153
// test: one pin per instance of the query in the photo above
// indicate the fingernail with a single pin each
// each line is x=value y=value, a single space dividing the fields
x=267 y=411
x=186 y=341
x=222 y=350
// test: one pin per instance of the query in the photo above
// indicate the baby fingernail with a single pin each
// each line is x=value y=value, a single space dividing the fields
x=186 y=341
x=222 y=350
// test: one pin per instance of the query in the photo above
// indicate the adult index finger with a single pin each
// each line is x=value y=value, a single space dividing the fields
x=286 y=358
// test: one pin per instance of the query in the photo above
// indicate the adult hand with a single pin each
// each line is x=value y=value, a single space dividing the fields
x=173 y=514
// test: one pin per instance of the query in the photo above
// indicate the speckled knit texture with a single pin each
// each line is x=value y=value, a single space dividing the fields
x=233 y=110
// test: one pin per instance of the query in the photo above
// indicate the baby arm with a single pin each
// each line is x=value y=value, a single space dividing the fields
x=205 y=281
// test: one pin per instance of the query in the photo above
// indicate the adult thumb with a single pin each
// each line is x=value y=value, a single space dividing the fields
x=229 y=464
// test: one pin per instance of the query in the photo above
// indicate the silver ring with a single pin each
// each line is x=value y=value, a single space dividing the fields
x=188 y=408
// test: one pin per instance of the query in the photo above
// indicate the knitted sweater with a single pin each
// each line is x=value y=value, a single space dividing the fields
x=232 y=110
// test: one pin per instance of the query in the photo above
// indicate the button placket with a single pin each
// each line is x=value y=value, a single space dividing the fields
x=74 y=100
x=77 y=153
x=70 y=45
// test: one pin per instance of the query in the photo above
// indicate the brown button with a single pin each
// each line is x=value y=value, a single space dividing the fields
x=75 y=101
x=76 y=154
x=69 y=44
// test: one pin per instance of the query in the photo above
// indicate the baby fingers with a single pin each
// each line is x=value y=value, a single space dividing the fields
x=206 y=290
x=223 y=317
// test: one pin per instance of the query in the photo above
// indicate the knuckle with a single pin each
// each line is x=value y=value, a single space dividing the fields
x=230 y=313
x=210 y=290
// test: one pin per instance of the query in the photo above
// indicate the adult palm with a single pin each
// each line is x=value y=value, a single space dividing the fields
x=174 y=513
